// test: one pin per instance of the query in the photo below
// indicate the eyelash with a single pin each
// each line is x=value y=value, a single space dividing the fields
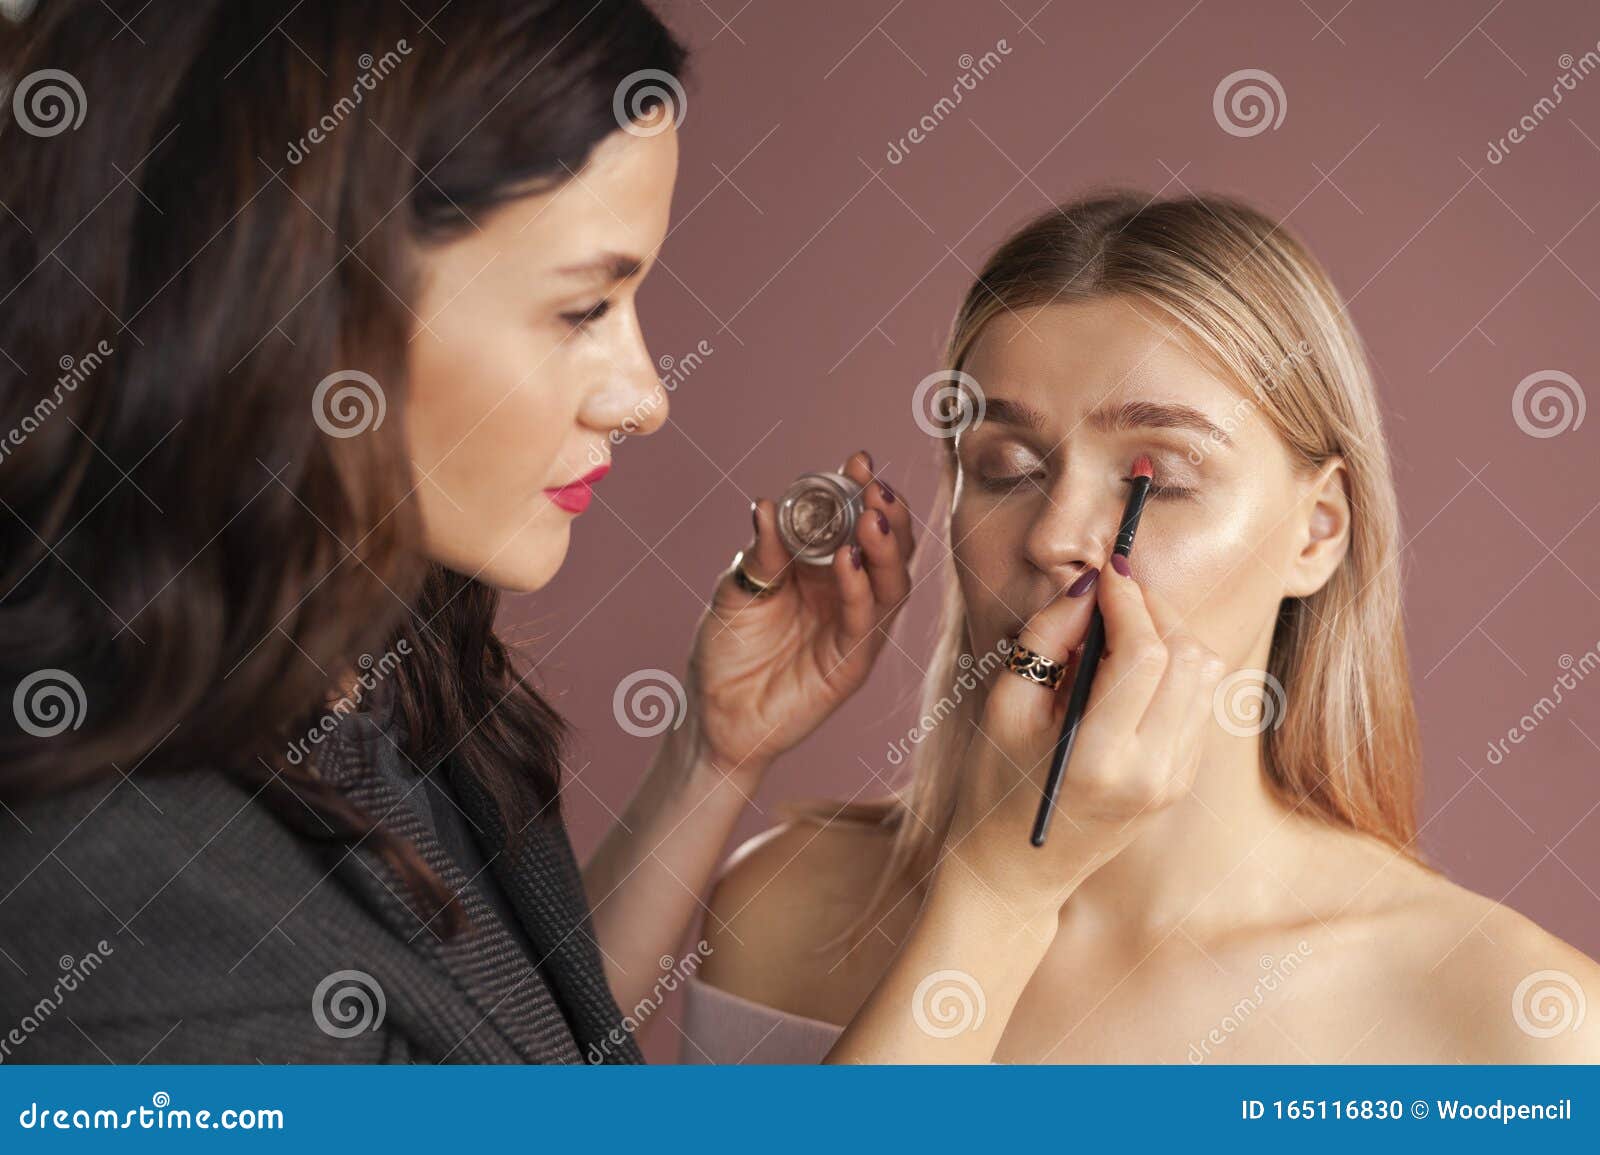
x=1008 y=483
x=583 y=318
x=1169 y=491
x=1158 y=490
x=1003 y=484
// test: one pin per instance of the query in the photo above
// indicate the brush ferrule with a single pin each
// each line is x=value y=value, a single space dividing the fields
x=1130 y=516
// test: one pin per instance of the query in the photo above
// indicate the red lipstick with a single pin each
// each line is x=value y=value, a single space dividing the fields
x=574 y=497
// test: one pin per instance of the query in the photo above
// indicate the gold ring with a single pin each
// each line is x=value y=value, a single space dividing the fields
x=1035 y=667
x=753 y=586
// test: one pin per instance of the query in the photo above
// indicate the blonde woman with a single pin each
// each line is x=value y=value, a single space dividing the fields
x=1234 y=884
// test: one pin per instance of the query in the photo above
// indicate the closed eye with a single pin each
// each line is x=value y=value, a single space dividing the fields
x=1004 y=483
x=1157 y=490
x=583 y=318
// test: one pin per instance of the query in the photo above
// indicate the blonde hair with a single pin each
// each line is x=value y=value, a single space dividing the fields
x=1248 y=295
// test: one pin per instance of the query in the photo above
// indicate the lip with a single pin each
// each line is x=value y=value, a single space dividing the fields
x=1015 y=627
x=575 y=496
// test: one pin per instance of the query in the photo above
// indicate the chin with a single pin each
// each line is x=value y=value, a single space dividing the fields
x=526 y=563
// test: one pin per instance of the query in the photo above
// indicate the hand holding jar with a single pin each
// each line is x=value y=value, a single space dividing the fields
x=798 y=619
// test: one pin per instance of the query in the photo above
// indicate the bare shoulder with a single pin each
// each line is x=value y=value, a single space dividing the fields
x=1500 y=987
x=1527 y=990
x=776 y=914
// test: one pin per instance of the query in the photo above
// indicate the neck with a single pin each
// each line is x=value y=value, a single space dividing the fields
x=1227 y=854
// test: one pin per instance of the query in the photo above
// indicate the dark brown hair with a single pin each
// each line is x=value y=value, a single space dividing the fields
x=234 y=219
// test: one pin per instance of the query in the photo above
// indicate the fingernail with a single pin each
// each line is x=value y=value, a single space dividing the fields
x=1120 y=564
x=1085 y=583
x=883 y=522
x=755 y=517
x=868 y=456
x=855 y=556
x=888 y=494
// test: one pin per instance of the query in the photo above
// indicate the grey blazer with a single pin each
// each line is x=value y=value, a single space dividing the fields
x=177 y=920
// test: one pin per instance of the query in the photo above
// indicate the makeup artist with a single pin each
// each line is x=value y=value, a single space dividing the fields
x=311 y=335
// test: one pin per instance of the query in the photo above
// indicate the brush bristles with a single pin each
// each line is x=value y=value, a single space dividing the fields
x=1143 y=468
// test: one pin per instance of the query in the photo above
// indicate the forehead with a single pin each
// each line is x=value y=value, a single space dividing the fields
x=1069 y=358
x=620 y=200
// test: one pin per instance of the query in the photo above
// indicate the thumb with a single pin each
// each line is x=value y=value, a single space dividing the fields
x=1021 y=707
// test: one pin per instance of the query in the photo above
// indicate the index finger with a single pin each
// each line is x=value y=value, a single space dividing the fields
x=1135 y=657
x=877 y=496
x=1022 y=706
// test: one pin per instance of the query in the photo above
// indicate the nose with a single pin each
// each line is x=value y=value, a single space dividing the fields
x=629 y=397
x=1074 y=529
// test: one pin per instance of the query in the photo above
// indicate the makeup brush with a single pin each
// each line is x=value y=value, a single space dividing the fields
x=1094 y=644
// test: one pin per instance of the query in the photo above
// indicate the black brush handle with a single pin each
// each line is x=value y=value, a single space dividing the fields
x=1094 y=644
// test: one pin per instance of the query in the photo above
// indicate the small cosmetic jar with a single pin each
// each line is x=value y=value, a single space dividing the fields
x=817 y=514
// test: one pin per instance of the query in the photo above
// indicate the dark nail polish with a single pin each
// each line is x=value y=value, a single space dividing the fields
x=883 y=522
x=888 y=494
x=1120 y=564
x=1084 y=584
x=855 y=556
x=868 y=456
x=755 y=517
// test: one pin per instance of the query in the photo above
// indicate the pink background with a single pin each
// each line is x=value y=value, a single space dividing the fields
x=823 y=278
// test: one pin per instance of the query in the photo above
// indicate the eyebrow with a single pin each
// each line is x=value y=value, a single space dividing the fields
x=611 y=266
x=1113 y=418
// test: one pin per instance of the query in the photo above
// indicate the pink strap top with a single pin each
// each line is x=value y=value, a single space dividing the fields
x=723 y=1028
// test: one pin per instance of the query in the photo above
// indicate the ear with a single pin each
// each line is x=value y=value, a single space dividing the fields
x=1324 y=534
